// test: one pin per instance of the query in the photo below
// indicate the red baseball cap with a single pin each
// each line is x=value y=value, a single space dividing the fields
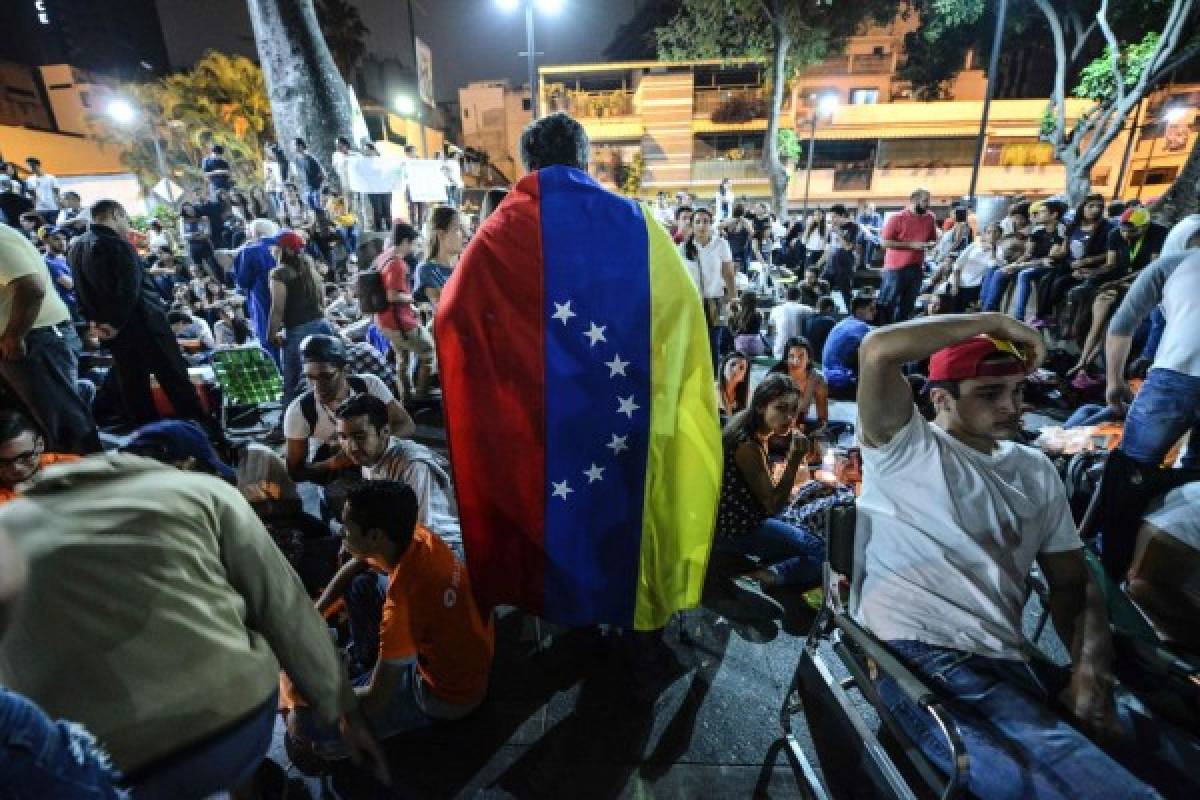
x=965 y=360
x=291 y=241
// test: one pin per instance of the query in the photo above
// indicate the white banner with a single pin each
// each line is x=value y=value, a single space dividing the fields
x=426 y=180
x=374 y=175
x=425 y=72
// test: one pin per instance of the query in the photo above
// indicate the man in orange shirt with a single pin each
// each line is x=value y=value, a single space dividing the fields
x=407 y=588
x=22 y=453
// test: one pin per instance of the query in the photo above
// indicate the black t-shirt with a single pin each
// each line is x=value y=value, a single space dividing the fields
x=816 y=329
x=1043 y=240
x=217 y=181
x=1132 y=256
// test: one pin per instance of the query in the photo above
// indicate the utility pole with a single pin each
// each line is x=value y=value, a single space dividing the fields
x=993 y=65
x=412 y=29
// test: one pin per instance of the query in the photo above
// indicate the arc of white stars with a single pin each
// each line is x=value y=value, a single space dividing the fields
x=594 y=474
x=563 y=312
x=626 y=406
x=616 y=366
x=596 y=333
x=617 y=444
x=561 y=489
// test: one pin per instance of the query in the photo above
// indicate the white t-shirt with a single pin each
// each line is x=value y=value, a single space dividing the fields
x=20 y=259
x=428 y=476
x=973 y=264
x=786 y=320
x=950 y=535
x=43 y=187
x=706 y=269
x=1177 y=513
x=295 y=426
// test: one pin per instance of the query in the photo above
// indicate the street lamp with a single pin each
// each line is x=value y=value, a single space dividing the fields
x=546 y=7
x=825 y=107
x=1170 y=116
x=404 y=105
x=122 y=112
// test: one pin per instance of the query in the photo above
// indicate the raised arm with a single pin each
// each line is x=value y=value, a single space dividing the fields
x=885 y=402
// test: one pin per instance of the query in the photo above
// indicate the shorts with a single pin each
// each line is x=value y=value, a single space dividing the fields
x=416 y=341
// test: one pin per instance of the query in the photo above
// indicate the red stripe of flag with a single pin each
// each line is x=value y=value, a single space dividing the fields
x=489 y=331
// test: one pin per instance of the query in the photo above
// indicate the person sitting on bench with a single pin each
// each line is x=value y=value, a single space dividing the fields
x=954 y=513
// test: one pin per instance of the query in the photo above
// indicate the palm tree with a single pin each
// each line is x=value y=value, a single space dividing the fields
x=345 y=34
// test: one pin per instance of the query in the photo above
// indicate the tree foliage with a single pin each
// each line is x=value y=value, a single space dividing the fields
x=221 y=100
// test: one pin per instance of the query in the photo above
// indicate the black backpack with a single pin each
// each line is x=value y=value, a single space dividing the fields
x=372 y=296
x=308 y=400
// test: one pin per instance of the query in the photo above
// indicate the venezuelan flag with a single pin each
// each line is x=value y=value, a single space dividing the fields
x=580 y=408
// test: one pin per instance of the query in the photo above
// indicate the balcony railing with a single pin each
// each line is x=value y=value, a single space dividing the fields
x=717 y=169
x=729 y=105
x=851 y=179
x=871 y=64
x=593 y=105
x=837 y=65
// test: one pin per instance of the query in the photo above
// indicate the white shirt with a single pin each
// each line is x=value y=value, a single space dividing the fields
x=272 y=176
x=20 y=259
x=973 y=263
x=68 y=215
x=427 y=474
x=706 y=269
x=816 y=241
x=295 y=426
x=43 y=187
x=1173 y=281
x=786 y=320
x=1177 y=514
x=950 y=534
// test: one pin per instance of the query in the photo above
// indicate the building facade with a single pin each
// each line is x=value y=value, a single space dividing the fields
x=670 y=127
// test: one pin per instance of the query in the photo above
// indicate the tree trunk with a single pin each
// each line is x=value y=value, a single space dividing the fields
x=1079 y=175
x=1181 y=199
x=776 y=171
x=308 y=96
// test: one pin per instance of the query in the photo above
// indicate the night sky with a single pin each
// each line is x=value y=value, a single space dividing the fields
x=470 y=39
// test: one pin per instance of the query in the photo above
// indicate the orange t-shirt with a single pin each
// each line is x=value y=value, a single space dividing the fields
x=8 y=494
x=430 y=614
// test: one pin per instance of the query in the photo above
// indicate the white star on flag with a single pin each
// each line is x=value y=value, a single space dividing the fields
x=561 y=489
x=617 y=444
x=616 y=366
x=563 y=312
x=627 y=406
x=594 y=474
x=596 y=333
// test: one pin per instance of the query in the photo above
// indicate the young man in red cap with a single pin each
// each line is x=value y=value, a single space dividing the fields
x=953 y=514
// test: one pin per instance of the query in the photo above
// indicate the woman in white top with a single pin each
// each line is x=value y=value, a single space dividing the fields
x=273 y=178
x=970 y=268
x=816 y=237
x=710 y=263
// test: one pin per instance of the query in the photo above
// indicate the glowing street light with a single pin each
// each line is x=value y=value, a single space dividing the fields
x=826 y=105
x=121 y=111
x=1175 y=114
x=550 y=7
x=405 y=105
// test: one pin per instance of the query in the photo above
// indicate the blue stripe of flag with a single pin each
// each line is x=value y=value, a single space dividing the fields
x=597 y=351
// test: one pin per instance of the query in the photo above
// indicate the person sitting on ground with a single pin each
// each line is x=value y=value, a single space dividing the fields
x=406 y=590
x=194 y=333
x=365 y=436
x=309 y=424
x=816 y=329
x=751 y=496
x=233 y=329
x=1084 y=262
x=230 y=616
x=1016 y=222
x=814 y=282
x=966 y=276
x=799 y=364
x=787 y=321
x=1044 y=251
x=399 y=322
x=954 y=512
x=73 y=219
x=341 y=307
x=1168 y=405
x=733 y=384
x=1164 y=578
x=1132 y=245
x=747 y=325
x=840 y=359
x=22 y=453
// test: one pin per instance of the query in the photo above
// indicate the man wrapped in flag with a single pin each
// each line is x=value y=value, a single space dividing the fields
x=579 y=401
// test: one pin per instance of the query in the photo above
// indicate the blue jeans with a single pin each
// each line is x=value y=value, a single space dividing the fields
x=1090 y=414
x=899 y=292
x=995 y=284
x=349 y=239
x=364 y=606
x=795 y=556
x=1018 y=746
x=41 y=758
x=43 y=384
x=1025 y=285
x=313 y=198
x=1167 y=407
x=293 y=367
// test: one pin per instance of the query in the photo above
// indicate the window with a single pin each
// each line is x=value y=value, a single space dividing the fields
x=877 y=51
x=862 y=97
x=466 y=113
x=526 y=104
x=844 y=154
x=926 y=153
x=732 y=146
x=1017 y=151
x=1156 y=176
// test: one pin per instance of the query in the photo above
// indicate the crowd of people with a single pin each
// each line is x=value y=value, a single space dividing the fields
x=111 y=341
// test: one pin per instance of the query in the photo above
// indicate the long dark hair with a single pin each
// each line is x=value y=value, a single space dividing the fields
x=746 y=423
x=741 y=392
x=440 y=221
x=822 y=226
x=747 y=308
x=690 y=251
x=794 y=341
x=305 y=268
